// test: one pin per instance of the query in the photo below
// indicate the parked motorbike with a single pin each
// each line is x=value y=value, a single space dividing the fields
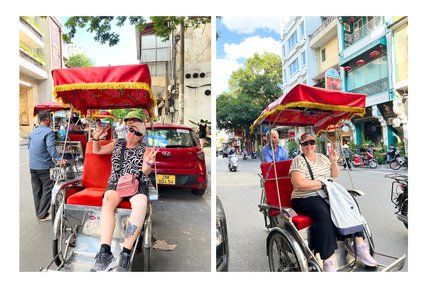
x=232 y=162
x=398 y=161
x=399 y=196
x=361 y=160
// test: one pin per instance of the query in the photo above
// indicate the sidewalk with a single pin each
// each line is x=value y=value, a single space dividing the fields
x=23 y=141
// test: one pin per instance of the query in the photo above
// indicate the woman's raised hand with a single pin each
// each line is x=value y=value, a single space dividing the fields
x=332 y=154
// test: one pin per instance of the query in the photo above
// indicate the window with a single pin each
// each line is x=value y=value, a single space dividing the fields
x=323 y=55
x=173 y=138
x=283 y=51
x=155 y=53
x=303 y=57
x=301 y=30
x=292 y=41
x=294 y=67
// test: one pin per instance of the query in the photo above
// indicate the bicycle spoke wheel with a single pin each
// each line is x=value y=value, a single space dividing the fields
x=282 y=257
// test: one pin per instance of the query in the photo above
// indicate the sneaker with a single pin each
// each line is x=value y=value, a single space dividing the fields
x=123 y=264
x=329 y=266
x=47 y=218
x=104 y=262
x=362 y=254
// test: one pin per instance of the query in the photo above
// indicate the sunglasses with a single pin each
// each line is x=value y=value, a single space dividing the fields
x=137 y=133
x=310 y=142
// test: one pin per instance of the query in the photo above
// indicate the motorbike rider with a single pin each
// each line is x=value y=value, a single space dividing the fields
x=244 y=152
x=279 y=151
x=391 y=153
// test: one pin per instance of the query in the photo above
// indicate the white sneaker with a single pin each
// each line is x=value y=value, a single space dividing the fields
x=47 y=218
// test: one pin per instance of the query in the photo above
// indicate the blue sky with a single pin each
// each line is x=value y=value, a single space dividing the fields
x=123 y=53
x=239 y=39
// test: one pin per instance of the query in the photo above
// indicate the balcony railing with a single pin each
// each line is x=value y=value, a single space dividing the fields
x=322 y=27
x=26 y=21
x=365 y=30
x=373 y=88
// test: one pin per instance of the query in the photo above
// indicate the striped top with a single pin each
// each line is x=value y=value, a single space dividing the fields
x=321 y=168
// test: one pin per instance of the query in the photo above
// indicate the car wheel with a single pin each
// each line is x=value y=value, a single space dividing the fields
x=198 y=192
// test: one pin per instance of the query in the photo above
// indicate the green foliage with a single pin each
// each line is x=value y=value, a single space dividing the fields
x=80 y=60
x=252 y=88
x=101 y=26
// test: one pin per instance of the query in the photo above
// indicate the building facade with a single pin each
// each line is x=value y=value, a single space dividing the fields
x=370 y=54
x=40 y=51
x=163 y=58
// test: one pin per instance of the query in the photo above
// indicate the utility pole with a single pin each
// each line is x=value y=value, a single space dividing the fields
x=181 y=76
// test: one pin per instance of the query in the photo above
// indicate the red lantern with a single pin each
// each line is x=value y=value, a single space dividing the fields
x=360 y=62
x=374 y=54
x=351 y=19
x=347 y=68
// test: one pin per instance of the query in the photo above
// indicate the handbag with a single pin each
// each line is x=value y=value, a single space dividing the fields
x=127 y=185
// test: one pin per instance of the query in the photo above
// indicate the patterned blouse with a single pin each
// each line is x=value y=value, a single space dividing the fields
x=132 y=162
x=321 y=169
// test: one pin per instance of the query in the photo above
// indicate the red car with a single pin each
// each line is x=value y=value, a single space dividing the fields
x=180 y=161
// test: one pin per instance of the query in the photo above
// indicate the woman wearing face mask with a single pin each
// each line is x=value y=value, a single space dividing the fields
x=306 y=200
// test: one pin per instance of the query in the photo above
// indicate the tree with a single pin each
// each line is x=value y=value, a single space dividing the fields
x=251 y=89
x=80 y=60
x=163 y=26
x=101 y=26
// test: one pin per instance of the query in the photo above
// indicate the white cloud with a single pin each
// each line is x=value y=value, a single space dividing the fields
x=234 y=53
x=223 y=69
x=252 y=45
x=249 y=24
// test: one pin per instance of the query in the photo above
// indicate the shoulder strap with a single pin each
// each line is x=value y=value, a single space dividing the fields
x=123 y=148
x=309 y=168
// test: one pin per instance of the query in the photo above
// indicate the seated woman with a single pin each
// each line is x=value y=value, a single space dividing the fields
x=306 y=200
x=136 y=160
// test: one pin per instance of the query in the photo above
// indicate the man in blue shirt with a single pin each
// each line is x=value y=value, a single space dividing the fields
x=42 y=151
x=279 y=152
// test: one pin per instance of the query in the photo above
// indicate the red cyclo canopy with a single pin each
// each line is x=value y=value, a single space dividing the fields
x=311 y=106
x=50 y=106
x=127 y=86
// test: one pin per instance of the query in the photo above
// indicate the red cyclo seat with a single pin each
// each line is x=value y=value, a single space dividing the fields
x=79 y=136
x=97 y=169
x=285 y=190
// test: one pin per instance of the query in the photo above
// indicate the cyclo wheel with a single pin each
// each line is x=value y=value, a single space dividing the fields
x=65 y=240
x=282 y=256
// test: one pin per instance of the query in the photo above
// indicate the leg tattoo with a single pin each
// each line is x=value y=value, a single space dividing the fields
x=130 y=230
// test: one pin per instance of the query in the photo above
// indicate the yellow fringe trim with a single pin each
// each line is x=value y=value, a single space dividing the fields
x=355 y=110
x=101 y=86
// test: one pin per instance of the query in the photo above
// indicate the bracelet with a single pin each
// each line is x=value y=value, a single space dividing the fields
x=149 y=164
x=95 y=139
